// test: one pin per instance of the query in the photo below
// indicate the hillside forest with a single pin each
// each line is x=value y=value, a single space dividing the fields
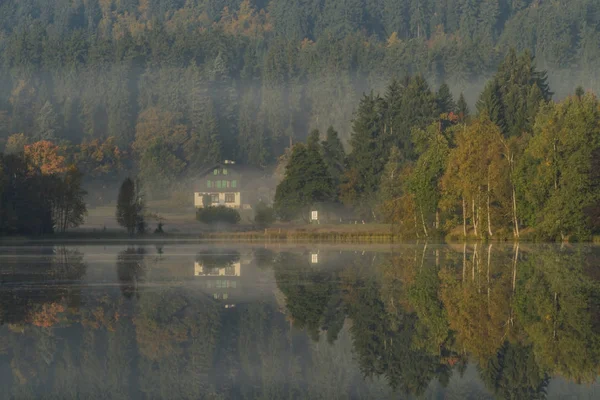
x=475 y=118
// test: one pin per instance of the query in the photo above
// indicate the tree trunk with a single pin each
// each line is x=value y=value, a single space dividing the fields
x=488 y=273
x=423 y=222
x=474 y=218
x=514 y=277
x=416 y=225
x=489 y=214
x=464 y=206
x=515 y=218
x=475 y=258
x=464 y=271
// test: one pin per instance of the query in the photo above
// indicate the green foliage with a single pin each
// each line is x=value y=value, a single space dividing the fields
x=559 y=166
x=334 y=156
x=512 y=97
x=130 y=207
x=218 y=215
x=306 y=182
x=32 y=203
x=264 y=215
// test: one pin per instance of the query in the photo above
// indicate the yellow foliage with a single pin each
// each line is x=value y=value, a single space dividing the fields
x=245 y=22
x=393 y=40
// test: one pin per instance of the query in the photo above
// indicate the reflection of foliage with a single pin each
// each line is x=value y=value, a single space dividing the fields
x=131 y=270
x=432 y=325
x=53 y=264
x=478 y=307
x=264 y=258
x=176 y=334
x=398 y=320
x=47 y=315
x=554 y=304
x=220 y=258
x=514 y=374
x=307 y=290
x=102 y=312
x=384 y=348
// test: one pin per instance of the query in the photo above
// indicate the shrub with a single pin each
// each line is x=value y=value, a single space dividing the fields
x=264 y=215
x=219 y=214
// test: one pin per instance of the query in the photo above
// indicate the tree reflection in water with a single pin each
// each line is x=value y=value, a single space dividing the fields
x=421 y=320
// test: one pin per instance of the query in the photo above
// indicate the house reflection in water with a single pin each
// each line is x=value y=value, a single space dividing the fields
x=220 y=276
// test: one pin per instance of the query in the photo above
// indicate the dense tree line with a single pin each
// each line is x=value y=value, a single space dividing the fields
x=39 y=193
x=419 y=160
x=179 y=84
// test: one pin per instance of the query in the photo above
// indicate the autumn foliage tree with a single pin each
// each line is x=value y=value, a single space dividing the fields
x=46 y=156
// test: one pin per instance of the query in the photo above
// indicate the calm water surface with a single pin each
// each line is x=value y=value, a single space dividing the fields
x=307 y=322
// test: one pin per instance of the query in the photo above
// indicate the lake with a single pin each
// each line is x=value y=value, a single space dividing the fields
x=230 y=320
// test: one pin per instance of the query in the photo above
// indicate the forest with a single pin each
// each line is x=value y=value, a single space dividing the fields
x=158 y=89
x=520 y=164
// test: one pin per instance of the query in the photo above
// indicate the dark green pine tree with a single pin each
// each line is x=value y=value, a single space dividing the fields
x=419 y=110
x=392 y=110
x=490 y=104
x=306 y=182
x=507 y=97
x=369 y=147
x=445 y=101
x=130 y=207
x=334 y=156
x=462 y=108
x=534 y=101
x=313 y=140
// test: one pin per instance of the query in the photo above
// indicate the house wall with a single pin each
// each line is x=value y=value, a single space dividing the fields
x=236 y=204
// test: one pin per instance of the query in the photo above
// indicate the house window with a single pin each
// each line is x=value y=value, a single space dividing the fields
x=229 y=198
x=233 y=183
x=214 y=198
x=224 y=171
x=209 y=184
x=228 y=183
x=218 y=184
x=216 y=171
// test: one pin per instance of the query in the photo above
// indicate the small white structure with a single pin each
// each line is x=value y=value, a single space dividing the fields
x=314 y=258
x=314 y=216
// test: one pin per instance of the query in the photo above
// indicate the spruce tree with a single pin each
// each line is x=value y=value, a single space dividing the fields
x=334 y=156
x=130 y=207
x=490 y=104
x=462 y=108
x=306 y=182
x=369 y=148
x=445 y=101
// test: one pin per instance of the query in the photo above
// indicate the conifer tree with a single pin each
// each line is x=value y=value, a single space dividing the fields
x=334 y=156
x=369 y=150
x=130 y=207
x=445 y=101
x=306 y=182
x=462 y=108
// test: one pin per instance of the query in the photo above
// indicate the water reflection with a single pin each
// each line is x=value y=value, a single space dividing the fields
x=465 y=321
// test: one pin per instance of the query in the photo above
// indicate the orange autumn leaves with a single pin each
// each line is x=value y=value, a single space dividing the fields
x=48 y=315
x=45 y=156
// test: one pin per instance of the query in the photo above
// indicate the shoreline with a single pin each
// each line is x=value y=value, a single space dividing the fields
x=273 y=235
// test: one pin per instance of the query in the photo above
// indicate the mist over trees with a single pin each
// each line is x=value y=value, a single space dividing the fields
x=213 y=80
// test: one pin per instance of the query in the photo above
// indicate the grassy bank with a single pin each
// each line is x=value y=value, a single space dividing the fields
x=362 y=233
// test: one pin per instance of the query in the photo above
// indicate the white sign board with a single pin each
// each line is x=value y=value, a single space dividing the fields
x=314 y=215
